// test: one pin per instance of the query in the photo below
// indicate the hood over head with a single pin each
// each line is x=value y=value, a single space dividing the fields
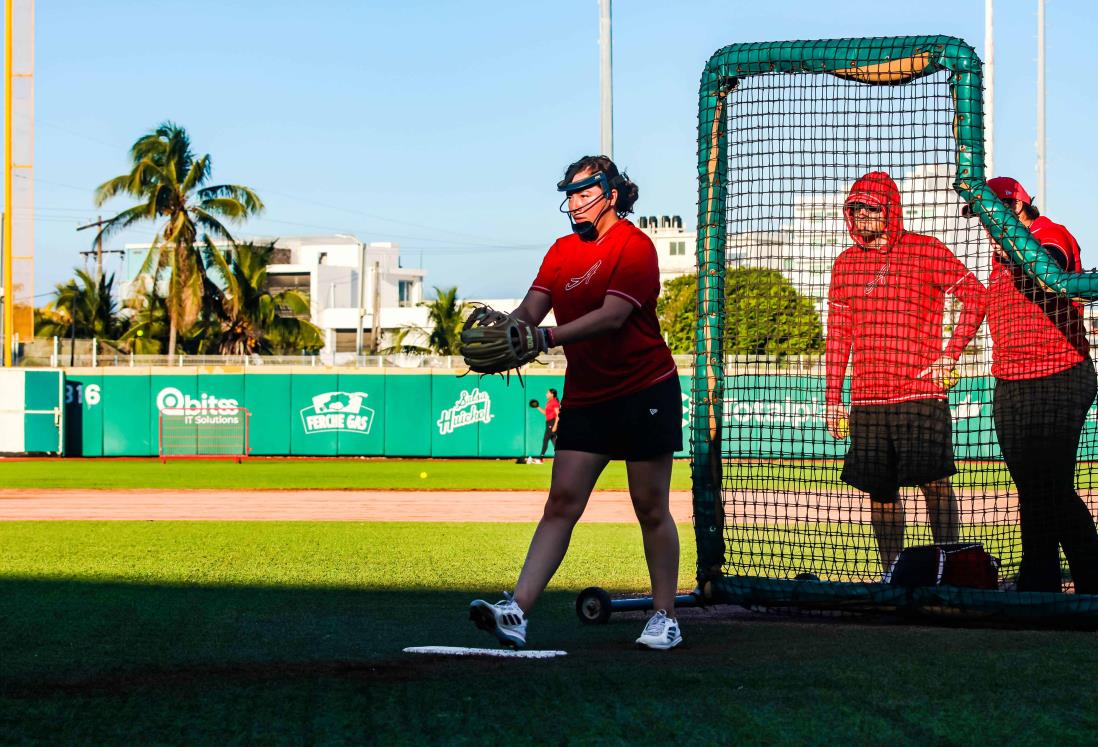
x=877 y=188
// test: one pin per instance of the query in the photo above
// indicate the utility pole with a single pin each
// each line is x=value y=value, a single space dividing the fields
x=606 y=79
x=375 y=334
x=98 y=246
x=361 y=299
x=72 y=328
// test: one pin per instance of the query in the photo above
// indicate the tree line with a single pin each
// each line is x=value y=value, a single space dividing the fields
x=188 y=295
x=199 y=291
x=764 y=312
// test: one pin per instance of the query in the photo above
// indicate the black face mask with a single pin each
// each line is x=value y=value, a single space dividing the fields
x=586 y=229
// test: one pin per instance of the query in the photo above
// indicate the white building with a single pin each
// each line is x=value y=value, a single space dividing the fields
x=674 y=244
x=344 y=279
x=348 y=281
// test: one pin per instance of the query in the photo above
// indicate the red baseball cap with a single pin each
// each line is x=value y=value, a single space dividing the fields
x=1006 y=188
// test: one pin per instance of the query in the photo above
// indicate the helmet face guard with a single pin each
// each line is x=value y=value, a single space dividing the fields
x=586 y=230
x=599 y=177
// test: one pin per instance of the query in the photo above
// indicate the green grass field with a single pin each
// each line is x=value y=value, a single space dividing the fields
x=404 y=474
x=301 y=474
x=173 y=632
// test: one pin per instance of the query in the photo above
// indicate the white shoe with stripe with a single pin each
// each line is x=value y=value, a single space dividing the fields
x=504 y=619
x=661 y=632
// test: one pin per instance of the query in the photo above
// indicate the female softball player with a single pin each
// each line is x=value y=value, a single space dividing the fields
x=621 y=393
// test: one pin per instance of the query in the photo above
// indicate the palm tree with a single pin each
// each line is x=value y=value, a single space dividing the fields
x=169 y=180
x=84 y=303
x=446 y=316
x=249 y=317
x=148 y=321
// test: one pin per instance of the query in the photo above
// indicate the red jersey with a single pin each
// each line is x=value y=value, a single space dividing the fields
x=1035 y=333
x=577 y=275
x=552 y=409
x=886 y=306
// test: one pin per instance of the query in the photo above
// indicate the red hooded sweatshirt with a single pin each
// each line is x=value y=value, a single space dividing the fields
x=886 y=303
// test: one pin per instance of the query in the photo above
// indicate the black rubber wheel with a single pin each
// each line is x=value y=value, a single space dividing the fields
x=593 y=606
x=806 y=576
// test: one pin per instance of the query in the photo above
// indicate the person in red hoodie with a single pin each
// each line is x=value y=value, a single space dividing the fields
x=885 y=309
x=1044 y=387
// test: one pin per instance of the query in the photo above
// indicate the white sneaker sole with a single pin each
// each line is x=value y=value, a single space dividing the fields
x=483 y=617
x=662 y=646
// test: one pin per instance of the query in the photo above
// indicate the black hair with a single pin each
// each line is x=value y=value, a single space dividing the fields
x=627 y=190
x=553 y=392
x=1030 y=211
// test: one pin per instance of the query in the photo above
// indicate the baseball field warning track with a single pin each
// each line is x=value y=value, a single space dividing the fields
x=307 y=505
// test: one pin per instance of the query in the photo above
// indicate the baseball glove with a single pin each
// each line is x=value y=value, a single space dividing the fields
x=534 y=403
x=494 y=342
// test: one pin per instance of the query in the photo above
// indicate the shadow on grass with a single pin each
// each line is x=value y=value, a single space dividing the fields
x=120 y=662
x=73 y=634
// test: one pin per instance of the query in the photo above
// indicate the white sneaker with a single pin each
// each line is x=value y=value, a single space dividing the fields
x=661 y=632
x=504 y=619
x=886 y=577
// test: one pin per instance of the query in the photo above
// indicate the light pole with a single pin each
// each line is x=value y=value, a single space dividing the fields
x=989 y=87
x=1042 y=195
x=606 y=80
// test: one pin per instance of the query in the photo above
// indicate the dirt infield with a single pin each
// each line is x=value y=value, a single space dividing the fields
x=306 y=505
x=744 y=506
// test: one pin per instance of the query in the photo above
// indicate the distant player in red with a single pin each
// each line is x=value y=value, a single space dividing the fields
x=551 y=411
x=621 y=393
x=1044 y=387
x=885 y=311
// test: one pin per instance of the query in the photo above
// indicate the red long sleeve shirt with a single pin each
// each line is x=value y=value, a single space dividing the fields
x=886 y=307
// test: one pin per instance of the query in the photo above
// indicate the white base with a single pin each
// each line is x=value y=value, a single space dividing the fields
x=505 y=653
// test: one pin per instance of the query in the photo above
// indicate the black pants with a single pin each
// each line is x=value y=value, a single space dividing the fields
x=550 y=435
x=1038 y=422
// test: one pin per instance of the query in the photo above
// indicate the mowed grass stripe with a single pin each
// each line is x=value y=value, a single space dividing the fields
x=429 y=474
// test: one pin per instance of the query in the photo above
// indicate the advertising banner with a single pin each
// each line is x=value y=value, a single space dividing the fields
x=115 y=412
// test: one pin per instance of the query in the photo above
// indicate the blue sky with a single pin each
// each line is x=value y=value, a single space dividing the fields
x=444 y=125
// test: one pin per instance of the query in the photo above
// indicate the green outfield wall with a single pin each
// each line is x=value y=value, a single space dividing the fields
x=784 y=418
x=416 y=413
x=31 y=411
x=300 y=412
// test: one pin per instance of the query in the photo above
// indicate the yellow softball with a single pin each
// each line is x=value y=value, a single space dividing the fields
x=842 y=427
x=423 y=475
x=950 y=380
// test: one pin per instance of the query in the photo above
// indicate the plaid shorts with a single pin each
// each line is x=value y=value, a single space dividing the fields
x=908 y=443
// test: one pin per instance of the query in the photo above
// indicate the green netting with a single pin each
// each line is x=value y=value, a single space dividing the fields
x=784 y=129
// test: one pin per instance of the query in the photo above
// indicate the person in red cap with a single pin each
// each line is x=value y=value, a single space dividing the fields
x=1044 y=386
x=885 y=309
